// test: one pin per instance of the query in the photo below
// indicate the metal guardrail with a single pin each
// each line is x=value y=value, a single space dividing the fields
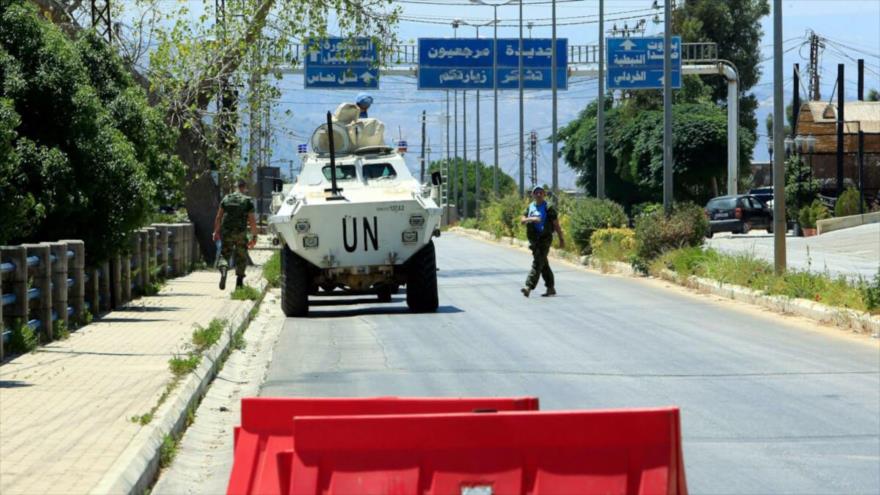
x=408 y=54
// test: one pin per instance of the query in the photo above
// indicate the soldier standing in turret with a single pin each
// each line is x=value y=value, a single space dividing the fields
x=235 y=214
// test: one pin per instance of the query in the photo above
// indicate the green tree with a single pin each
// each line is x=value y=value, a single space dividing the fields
x=873 y=95
x=735 y=25
x=801 y=188
x=506 y=184
x=633 y=151
x=78 y=141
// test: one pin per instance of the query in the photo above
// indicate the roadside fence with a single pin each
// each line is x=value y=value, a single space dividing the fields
x=47 y=287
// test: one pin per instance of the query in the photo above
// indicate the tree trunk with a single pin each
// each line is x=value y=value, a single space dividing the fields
x=202 y=196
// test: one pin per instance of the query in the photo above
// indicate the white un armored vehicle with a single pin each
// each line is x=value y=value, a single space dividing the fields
x=366 y=228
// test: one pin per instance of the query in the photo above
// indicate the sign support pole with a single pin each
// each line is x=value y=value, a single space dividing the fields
x=667 y=108
x=600 y=109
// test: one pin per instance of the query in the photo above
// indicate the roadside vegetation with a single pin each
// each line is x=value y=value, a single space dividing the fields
x=272 y=270
x=598 y=228
x=748 y=271
x=245 y=293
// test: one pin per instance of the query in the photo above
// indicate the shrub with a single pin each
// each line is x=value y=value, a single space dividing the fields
x=848 y=203
x=801 y=187
x=23 y=339
x=591 y=214
x=469 y=223
x=501 y=217
x=645 y=209
x=810 y=215
x=657 y=233
x=871 y=293
x=613 y=244
x=272 y=270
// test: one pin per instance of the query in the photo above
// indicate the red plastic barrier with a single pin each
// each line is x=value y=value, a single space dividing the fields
x=534 y=453
x=264 y=442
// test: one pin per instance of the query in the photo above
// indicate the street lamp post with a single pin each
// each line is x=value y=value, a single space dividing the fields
x=455 y=24
x=600 y=109
x=522 y=148
x=494 y=75
x=477 y=168
x=779 y=261
x=554 y=83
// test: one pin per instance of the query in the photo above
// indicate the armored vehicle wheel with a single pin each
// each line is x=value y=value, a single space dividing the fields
x=384 y=294
x=295 y=283
x=421 y=281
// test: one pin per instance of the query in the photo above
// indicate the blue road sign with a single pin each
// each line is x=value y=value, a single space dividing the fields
x=340 y=63
x=466 y=63
x=537 y=63
x=637 y=63
x=455 y=63
x=536 y=52
x=455 y=52
x=534 y=78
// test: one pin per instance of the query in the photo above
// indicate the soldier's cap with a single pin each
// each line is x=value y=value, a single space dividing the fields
x=536 y=189
x=242 y=183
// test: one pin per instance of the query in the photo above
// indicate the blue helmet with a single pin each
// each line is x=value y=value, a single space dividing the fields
x=364 y=100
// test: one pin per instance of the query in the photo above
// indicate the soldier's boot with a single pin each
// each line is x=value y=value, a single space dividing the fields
x=526 y=291
x=550 y=292
x=223 y=269
x=239 y=281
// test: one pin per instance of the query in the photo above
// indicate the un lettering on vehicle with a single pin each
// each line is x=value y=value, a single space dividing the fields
x=369 y=228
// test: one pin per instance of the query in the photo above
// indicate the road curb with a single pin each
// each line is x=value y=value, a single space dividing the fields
x=846 y=319
x=136 y=469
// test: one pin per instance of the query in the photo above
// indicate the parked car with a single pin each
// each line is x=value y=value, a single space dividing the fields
x=764 y=194
x=738 y=214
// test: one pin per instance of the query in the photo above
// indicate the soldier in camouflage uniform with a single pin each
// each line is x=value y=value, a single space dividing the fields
x=235 y=214
x=541 y=221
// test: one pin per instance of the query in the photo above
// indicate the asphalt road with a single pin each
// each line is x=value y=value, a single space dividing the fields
x=851 y=252
x=769 y=404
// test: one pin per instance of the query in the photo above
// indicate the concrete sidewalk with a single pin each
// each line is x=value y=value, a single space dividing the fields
x=65 y=410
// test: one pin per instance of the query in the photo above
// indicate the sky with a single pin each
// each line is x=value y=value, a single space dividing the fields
x=851 y=26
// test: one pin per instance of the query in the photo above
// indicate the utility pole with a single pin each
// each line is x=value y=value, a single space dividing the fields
x=455 y=24
x=464 y=163
x=495 y=90
x=667 y=108
x=455 y=159
x=841 y=83
x=422 y=159
x=814 y=67
x=795 y=98
x=533 y=156
x=861 y=97
x=479 y=165
x=101 y=19
x=522 y=157
x=554 y=83
x=600 y=109
x=448 y=159
x=779 y=227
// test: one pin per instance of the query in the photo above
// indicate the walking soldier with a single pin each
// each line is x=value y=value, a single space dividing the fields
x=541 y=220
x=235 y=214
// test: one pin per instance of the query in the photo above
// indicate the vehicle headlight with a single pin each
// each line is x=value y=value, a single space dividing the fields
x=302 y=226
x=410 y=236
x=416 y=221
x=310 y=241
